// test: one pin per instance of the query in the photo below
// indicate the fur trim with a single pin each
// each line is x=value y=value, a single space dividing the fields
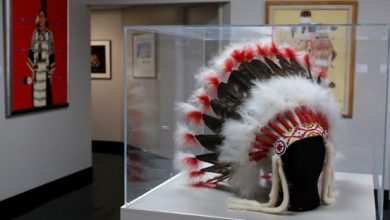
x=245 y=180
x=288 y=93
x=239 y=139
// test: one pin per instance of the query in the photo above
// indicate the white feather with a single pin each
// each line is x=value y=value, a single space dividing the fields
x=184 y=107
x=245 y=179
x=239 y=138
x=179 y=137
x=195 y=100
x=178 y=161
x=202 y=77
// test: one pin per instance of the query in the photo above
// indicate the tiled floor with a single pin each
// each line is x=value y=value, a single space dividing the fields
x=102 y=199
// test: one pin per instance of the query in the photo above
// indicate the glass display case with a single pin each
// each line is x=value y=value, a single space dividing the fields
x=161 y=64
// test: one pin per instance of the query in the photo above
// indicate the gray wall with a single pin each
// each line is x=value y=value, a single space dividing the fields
x=107 y=95
x=40 y=147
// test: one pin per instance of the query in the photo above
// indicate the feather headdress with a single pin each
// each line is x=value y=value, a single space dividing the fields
x=260 y=101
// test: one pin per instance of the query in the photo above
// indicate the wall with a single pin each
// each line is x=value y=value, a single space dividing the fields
x=107 y=123
x=41 y=147
x=107 y=95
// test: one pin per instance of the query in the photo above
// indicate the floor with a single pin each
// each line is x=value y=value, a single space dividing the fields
x=102 y=199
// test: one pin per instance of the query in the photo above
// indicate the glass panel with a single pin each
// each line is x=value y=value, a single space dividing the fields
x=354 y=57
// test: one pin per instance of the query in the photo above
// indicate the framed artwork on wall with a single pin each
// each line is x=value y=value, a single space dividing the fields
x=36 y=51
x=100 y=59
x=340 y=40
x=144 y=56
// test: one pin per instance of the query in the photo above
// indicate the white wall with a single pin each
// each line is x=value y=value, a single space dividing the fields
x=107 y=95
x=41 y=147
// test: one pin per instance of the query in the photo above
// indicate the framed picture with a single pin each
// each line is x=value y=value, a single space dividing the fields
x=339 y=41
x=100 y=59
x=36 y=51
x=144 y=53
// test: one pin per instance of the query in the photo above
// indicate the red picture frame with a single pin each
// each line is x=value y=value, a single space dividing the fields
x=36 y=55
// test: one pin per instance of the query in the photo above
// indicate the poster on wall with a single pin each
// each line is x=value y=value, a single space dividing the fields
x=331 y=48
x=36 y=55
x=144 y=55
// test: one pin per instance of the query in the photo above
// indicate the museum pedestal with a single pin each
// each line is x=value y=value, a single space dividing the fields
x=174 y=199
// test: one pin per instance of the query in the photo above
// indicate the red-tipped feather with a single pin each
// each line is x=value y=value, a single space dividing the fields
x=300 y=116
x=262 y=147
x=198 y=184
x=266 y=176
x=290 y=53
x=291 y=118
x=195 y=174
x=274 y=49
x=316 y=117
x=238 y=55
x=269 y=133
x=214 y=182
x=256 y=156
x=191 y=162
x=194 y=117
x=284 y=122
x=306 y=114
x=276 y=127
x=228 y=66
x=307 y=60
x=204 y=99
x=213 y=80
x=261 y=51
x=264 y=140
x=312 y=115
x=189 y=139
x=248 y=54
x=324 y=122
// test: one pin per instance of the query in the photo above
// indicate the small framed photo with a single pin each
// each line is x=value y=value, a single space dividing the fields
x=144 y=53
x=100 y=59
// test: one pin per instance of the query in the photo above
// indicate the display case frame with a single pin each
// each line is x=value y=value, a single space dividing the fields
x=186 y=49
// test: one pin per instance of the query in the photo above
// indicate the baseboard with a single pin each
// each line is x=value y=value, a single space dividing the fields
x=27 y=201
x=111 y=147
